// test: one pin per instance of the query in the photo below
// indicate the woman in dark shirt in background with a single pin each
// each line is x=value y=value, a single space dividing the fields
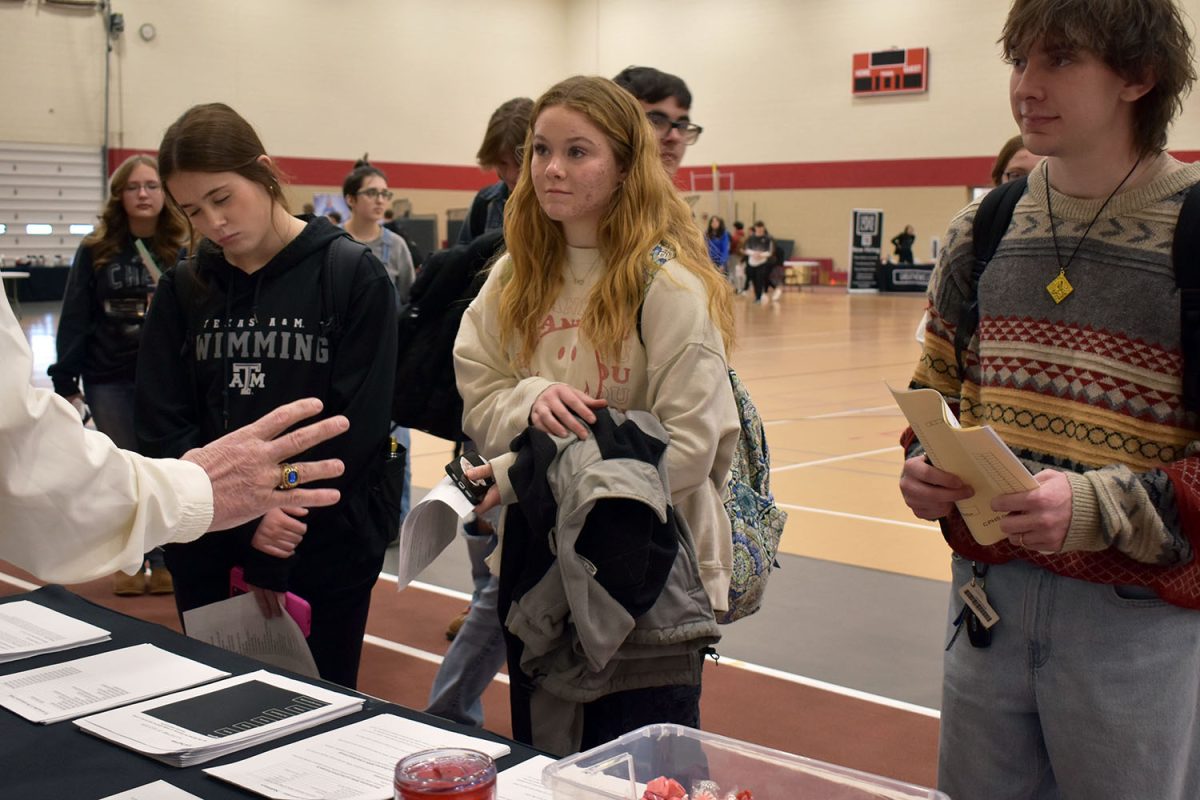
x=100 y=328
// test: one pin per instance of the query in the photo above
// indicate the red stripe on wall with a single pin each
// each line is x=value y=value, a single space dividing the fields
x=331 y=172
x=893 y=173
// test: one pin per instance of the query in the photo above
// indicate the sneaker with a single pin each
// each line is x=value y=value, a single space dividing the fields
x=456 y=624
x=778 y=293
x=129 y=585
x=160 y=581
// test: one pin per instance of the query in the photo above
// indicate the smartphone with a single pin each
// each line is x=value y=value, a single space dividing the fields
x=474 y=490
x=296 y=607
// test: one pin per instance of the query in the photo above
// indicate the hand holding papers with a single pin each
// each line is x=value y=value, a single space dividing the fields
x=201 y=724
x=29 y=629
x=237 y=625
x=976 y=455
x=91 y=684
x=430 y=526
x=355 y=762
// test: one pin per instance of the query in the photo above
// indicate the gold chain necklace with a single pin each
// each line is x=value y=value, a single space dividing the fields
x=575 y=277
x=1060 y=287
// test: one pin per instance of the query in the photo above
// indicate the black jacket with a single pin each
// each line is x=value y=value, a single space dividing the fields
x=101 y=324
x=252 y=342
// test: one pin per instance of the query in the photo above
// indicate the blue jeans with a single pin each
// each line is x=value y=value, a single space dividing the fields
x=112 y=411
x=474 y=658
x=1087 y=691
x=404 y=437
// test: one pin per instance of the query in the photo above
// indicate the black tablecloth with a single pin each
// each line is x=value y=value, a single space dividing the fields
x=903 y=277
x=43 y=283
x=61 y=761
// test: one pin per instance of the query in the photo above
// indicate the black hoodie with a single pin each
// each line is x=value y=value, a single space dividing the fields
x=101 y=321
x=254 y=342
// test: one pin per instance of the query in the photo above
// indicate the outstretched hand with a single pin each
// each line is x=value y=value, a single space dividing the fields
x=244 y=465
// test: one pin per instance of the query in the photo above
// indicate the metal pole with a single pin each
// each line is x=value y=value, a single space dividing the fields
x=105 y=11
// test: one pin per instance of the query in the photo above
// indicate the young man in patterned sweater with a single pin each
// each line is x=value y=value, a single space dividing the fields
x=1090 y=684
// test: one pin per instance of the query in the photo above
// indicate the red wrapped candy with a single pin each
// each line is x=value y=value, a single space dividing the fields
x=664 y=788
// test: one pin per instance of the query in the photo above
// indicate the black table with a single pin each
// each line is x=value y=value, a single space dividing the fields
x=43 y=283
x=903 y=277
x=61 y=761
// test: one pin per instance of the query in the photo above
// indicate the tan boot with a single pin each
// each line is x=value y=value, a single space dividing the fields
x=456 y=624
x=129 y=585
x=160 y=581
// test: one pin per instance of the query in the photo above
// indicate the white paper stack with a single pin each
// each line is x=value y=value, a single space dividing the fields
x=29 y=629
x=210 y=721
x=354 y=762
x=91 y=684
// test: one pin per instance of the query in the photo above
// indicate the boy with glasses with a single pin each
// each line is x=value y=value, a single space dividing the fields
x=667 y=102
x=1087 y=684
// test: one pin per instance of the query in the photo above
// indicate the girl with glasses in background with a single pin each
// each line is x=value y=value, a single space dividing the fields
x=366 y=192
x=108 y=291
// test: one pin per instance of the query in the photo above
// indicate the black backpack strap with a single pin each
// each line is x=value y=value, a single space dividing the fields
x=991 y=223
x=341 y=258
x=1185 y=254
x=188 y=293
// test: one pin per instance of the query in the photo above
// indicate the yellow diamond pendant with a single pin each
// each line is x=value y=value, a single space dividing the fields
x=1059 y=288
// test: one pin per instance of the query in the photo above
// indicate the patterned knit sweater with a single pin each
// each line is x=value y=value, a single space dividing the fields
x=1091 y=386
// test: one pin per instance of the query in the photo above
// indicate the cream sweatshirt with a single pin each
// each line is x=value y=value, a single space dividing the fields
x=680 y=376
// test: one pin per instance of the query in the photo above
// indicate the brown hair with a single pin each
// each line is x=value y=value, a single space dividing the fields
x=646 y=211
x=1140 y=40
x=112 y=233
x=1010 y=149
x=505 y=131
x=215 y=138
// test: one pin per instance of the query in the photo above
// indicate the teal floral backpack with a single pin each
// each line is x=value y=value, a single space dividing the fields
x=755 y=522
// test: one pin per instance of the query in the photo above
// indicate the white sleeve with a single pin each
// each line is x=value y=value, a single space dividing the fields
x=73 y=506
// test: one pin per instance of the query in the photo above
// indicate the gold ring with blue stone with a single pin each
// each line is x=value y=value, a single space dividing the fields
x=289 y=476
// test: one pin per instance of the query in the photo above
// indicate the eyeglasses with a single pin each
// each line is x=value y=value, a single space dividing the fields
x=663 y=124
x=150 y=186
x=375 y=194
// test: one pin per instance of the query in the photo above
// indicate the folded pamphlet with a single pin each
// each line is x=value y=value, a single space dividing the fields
x=976 y=455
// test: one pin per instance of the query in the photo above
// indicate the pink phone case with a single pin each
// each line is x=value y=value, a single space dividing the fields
x=296 y=607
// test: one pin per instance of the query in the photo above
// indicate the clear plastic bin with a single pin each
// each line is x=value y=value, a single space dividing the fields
x=621 y=769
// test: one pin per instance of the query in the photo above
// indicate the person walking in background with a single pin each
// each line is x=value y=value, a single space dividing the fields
x=1086 y=684
x=903 y=242
x=592 y=209
x=109 y=289
x=717 y=239
x=505 y=135
x=760 y=250
x=261 y=314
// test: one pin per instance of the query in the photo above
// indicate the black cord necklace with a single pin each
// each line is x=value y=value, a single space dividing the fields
x=1060 y=287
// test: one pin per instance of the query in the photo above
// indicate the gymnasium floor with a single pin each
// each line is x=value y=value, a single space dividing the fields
x=843 y=664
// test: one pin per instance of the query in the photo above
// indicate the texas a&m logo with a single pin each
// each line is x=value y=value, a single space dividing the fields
x=247 y=378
